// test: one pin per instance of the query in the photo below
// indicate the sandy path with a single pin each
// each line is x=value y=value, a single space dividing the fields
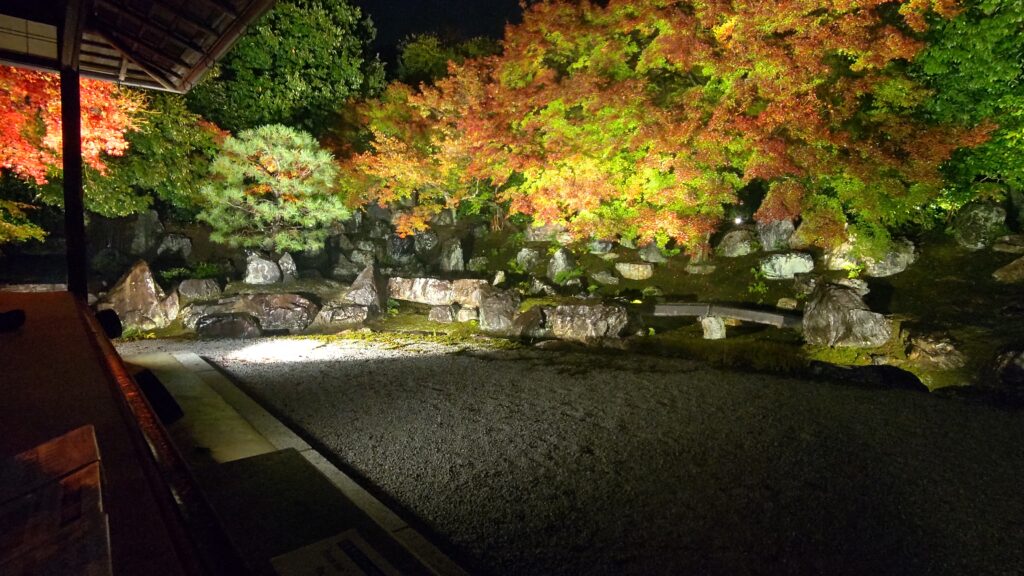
x=545 y=463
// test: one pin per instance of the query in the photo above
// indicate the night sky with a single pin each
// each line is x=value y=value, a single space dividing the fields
x=456 y=19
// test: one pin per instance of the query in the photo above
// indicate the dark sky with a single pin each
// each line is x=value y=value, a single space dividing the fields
x=460 y=19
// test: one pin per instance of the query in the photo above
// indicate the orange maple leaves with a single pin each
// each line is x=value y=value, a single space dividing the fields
x=30 y=122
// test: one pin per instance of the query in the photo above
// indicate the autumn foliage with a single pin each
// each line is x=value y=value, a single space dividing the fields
x=30 y=123
x=643 y=119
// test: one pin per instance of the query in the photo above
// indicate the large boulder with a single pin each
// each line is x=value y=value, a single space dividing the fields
x=1012 y=273
x=228 y=325
x=478 y=264
x=261 y=271
x=369 y=289
x=469 y=292
x=900 y=255
x=587 y=323
x=786 y=265
x=137 y=299
x=527 y=258
x=451 y=256
x=634 y=271
x=401 y=249
x=279 y=312
x=737 y=243
x=289 y=271
x=334 y=316
x=346 y=269
x=530 y=324
x=650 y=253
x=978 y=225
x=837 y=316
x=146 y=231
x=498 y=309
x=198 y=290
x=935 y=352
x=774 y=236
x=605 y=278
x=174 y=248
x=427 y=245
x=430 y=291
x=546 y=233
x=561 y=265
x=442 y=314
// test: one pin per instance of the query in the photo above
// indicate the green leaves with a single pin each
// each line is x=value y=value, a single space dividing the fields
x=273 y=188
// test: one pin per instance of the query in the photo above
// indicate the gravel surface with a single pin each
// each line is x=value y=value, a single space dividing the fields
x=562 y=463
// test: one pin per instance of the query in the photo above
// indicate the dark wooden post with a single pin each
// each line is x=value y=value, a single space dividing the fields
x=71 y=132
x=74 y=208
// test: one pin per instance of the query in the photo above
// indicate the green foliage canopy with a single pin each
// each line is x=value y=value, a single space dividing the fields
x=425 y=57
x=975 y=65
x=295 y=66
x=273 y=188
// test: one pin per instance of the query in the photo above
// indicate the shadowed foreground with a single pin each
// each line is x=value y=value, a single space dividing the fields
x=547 y=463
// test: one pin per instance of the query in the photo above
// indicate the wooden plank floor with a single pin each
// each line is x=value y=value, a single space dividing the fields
x=52 y=380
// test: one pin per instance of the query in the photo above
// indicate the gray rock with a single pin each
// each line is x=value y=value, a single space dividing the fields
x=109 y=263
x=650 y=253
x=289 y=312
x=427 y=245
x=787 y=304
x=842 y=257
x=714 y=327
x=363 y=258
x=899 y=256
x=368 y=289
x=467 y=315
x=1012 y=273
x=228 y=325
x=354 y=223
x=588 y=323
x=498 y=308
x=289 y=271
x=442 y=219
x=787 y=265
x=442 y=314
x=1013 y=244
x=499 y=278
x=634 y=271
x=837 y=316
x=198 y=290
x=259 y=270
x=737 y=243
x=562 y=263
x=600 y=246
x=171 y=305
x=856 y=284
x=366 y=245
x=137 y=299
x=478 y=264
x=145 y=233
x=345 y=269
x=605 y=277
x=527 y=259
x=609 y=257
x=175 y=247
x=341 y=316
x=401 y=250
x=451 y=256
x=379 y=229
x=978 y=225
x=469 y=292
x=538 y=287
x=1007 y=371
x=775 y=235
x=804 y=284
x=341 y=242
x=935 y=352
x=530 y=324
x=422 y=290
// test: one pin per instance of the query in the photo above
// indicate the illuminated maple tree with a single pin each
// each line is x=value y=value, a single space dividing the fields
x=30 y=123
x=644 y=119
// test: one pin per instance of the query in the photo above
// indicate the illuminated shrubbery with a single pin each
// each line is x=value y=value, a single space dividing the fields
x=273 y=188
x=644 y=119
